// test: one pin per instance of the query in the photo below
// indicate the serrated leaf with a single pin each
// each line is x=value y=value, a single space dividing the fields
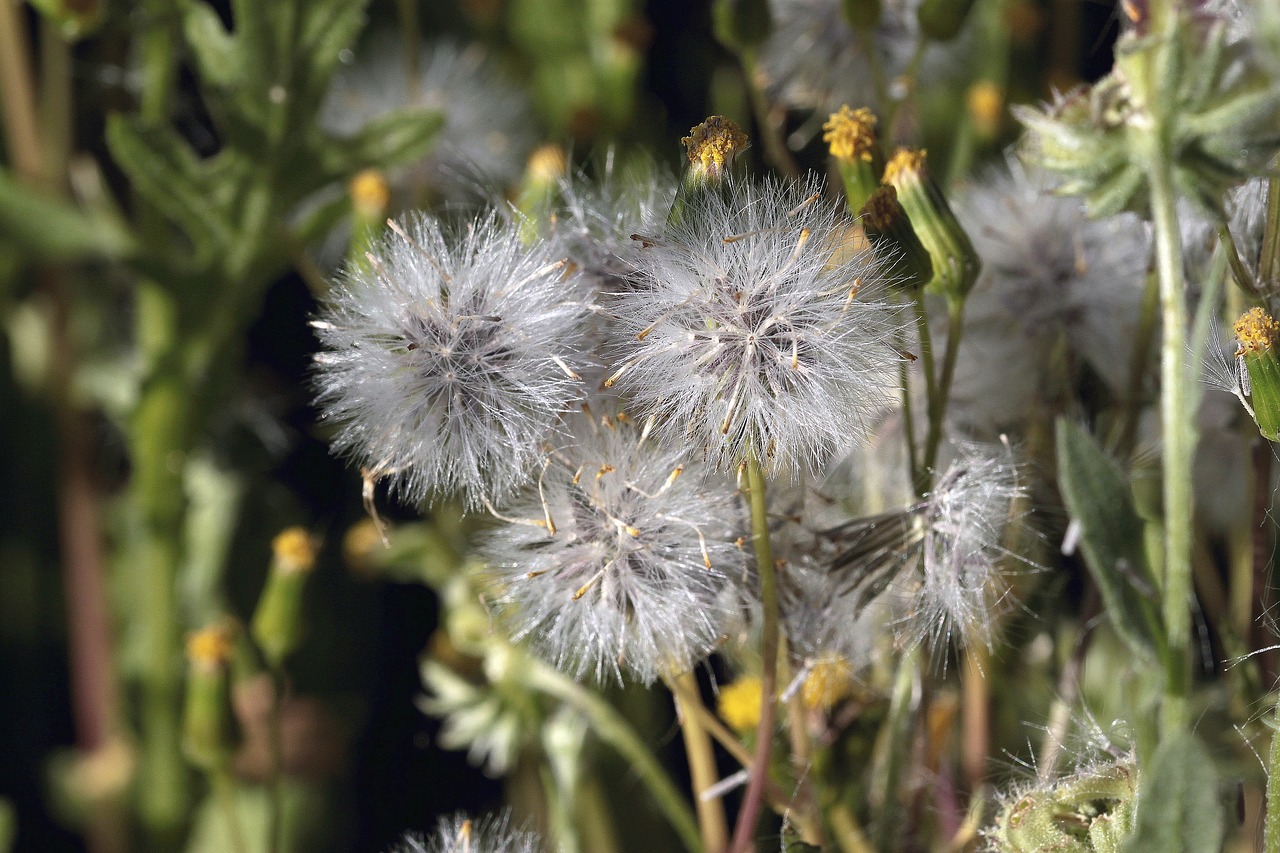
x=216 y=51
x=385 y=142
x=1179 y=810
x=50 y=229
x=1097 y=496
x=165 y=171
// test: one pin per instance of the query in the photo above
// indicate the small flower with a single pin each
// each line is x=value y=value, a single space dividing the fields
x=756 y=330
x=739 y=703
x=460 y=834
x=630 y=563
x=450 y=358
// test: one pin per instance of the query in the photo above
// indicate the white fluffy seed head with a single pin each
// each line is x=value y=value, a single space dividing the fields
x=450 y=356
x=459 y=834
x=758 y=328
x=621 y=559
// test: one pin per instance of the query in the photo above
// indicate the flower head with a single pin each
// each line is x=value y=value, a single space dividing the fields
x=630 y=564
x=450 y=358
x=460 y=834
x=756 y=328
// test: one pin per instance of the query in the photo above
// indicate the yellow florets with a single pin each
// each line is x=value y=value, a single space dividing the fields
x=210 y=647
x=904 y=164
x=985 y=102
x=294 y=550
x=369 y=193
x=1256 y=331
x=829 y=681
x=851 y=134
x=713 y=144
x=547 y=164
x=739 y=703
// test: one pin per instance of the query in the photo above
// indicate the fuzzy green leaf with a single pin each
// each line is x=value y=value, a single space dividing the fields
x=1179 y=809
x=1097 y=496
x=216 y=52
x=50 y=229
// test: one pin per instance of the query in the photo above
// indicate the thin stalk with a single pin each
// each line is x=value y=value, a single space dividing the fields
x=702 y=764
x=775 y=147
x=908 y=421
x=1239 y=272
x=806 y=817
x=897 y=729
x=1269 y=260
x=976 y=693
x=1271 y=826
x=594 y=821
x=224 y=791
x=18 y=94
x=940 y=394
x=1179 y=433
x=847 y=831
x=769 y=645
x=612 y=728
x=559 y=811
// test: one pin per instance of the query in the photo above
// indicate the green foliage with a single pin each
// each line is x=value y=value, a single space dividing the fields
x=1179 y=806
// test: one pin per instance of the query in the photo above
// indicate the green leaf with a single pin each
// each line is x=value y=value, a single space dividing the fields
x=1097 y=496
x=216 y=51
x=51 y=229
x=388 y=141
x=1179 y=809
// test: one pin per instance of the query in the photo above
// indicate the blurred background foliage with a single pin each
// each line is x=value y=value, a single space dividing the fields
x=173 y=175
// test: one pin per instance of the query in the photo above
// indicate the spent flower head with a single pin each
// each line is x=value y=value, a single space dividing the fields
x=625 y=560
x=758 y=327
x=450 y=357
x=460 y=834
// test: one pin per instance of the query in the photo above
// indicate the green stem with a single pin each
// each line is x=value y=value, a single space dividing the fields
x=17 y=94
x=702 y=763
x=1179 y=433
x=897 y=729
x=847 y=831
x=611 y=727
x=924 y=473
x=940 y=394
x=1271 y=830
x=769 y=643
x=224 y=791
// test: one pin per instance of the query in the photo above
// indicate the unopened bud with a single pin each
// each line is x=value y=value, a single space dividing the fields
x=277 y=620
x=955 y=261
x=207 y=720
x=711 y=148
x=889 y=228
x=1257 y=337
x=741 y=25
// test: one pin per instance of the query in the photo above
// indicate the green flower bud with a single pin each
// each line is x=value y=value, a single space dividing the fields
x=277 y=620
x=851 y=138
x=889 y=229
x=542 y=174
x=208 y=730
x=1090 y=812
x=1257 y=337
x=941 y=20
x=741 y=25
x=955 y=261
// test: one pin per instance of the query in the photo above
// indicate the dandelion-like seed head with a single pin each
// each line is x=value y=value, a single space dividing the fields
x=620 y=559
x=460 y=834
x=450 y=357
x=755 y=330
x=1049 y=272
x=963 y=524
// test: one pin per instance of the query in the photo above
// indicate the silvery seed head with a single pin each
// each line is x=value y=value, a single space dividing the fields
x=758 y=328
x=622 y=558
x=450 y=357
x=460 y=834
x=815 y=60
x=487 y=120
x=1049 y=272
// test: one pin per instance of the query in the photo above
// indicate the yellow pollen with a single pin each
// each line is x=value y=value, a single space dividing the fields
x=294 y=550
x=739 y=703
x=369 y=193
x=210 y=647
x=851 y=134
x=905 y=163
x=713 y=144
x=1256 y=331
